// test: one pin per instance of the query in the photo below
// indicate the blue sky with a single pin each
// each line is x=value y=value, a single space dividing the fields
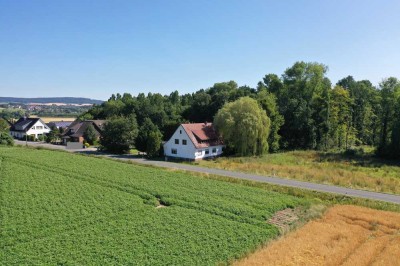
x=96 y=48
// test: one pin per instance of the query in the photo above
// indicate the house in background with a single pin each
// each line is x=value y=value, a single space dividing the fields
x=76 y=130
x=194 y=142
x=35 y=127
x=59 y=124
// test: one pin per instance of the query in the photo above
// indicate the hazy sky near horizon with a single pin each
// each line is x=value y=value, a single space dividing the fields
x=96 y=48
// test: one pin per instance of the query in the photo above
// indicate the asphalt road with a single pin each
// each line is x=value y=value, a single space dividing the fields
x=265 y=179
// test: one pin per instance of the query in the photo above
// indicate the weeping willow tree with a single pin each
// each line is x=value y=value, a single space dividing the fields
x=244 y=126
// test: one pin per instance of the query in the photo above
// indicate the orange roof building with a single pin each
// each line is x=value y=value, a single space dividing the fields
x=194 y=142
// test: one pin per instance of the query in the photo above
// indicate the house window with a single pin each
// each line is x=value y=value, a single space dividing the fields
x=39 y=127
x=174 y=151
x=180 y=131
x=184 y=142
x=176 y=141
x=207 y=151
x=214 y=150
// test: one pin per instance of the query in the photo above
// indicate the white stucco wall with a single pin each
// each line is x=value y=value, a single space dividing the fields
x=183 y=151
x=201 y=153
x=188 y=151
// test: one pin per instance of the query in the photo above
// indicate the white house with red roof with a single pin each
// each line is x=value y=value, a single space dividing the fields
x=194 y=142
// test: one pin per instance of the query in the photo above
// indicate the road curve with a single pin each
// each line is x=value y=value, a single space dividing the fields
x=251 y=177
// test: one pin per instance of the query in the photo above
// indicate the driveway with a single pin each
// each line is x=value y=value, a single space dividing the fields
x=50 y=146
x=265 y=179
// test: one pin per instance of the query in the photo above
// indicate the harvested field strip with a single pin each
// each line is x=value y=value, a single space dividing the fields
x=345 y=235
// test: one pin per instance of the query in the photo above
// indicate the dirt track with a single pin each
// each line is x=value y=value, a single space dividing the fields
x=345 y=235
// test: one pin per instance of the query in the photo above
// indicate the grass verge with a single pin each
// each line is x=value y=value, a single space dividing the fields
x=360 y=171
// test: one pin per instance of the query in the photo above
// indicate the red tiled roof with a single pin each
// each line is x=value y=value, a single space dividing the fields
x=202 y=135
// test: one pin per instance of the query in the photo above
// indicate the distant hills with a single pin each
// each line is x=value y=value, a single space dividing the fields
x=65 y=100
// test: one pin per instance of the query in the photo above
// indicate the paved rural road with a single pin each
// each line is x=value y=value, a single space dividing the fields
x=266 y=179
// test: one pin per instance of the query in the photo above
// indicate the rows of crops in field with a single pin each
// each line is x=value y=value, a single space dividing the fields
x=60 y=208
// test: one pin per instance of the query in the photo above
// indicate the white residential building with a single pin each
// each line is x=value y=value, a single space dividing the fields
x=194 y=142
x=29 y=126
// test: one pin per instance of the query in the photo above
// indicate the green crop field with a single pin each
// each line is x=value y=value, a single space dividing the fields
x=58 y=208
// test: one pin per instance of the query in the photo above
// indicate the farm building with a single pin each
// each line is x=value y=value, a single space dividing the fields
x=194 y=142
x=35 y=127
x=75 y=132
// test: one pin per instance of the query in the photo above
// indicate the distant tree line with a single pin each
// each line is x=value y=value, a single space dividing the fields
x=304 y=110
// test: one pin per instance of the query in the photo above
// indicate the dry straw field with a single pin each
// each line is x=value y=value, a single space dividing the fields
x=50 y=119
x=345 y=235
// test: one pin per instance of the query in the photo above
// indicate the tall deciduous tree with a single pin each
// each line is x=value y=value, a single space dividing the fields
x=244 y=126
x=90 y=134
x=341 y=133
x=303 y=103
x=149 y=138
x=119 y=134
x=4 y=126
x=394 y=147
x=390 y=93
x=364 y=109
x=267 y=100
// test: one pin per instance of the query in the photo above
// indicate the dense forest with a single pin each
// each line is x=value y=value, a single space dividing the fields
x=305 y=109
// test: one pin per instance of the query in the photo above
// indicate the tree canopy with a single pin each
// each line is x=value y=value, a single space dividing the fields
x=149 y=138
x=4 y=126
x=305 y=110
x=5 y=137
x=244 y=126
x=90 y=134
x=119 y=134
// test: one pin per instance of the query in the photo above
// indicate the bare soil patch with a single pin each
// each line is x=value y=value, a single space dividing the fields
x=160 y=204
x=284 y=219
x=345 y=235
